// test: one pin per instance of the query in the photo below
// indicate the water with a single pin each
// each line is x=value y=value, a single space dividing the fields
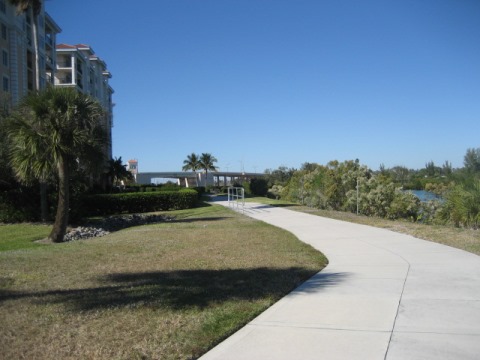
x=425 y=196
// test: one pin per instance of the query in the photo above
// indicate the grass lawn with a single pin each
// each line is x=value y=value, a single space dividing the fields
x=465 y=239
x=163 y=291
x=22 y=236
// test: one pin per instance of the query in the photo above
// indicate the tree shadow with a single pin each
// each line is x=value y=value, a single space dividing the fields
x=182 y=289
x=198 y=219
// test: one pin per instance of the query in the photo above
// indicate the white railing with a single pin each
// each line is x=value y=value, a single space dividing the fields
x=236 y=198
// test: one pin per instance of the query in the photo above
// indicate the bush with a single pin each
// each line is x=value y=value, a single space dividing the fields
x=19 y=205
x=462 y=205
x=275 y=192
x=109 y=204
x=259 y=187
x=404 y=206
x=383 y=199
x=200 y=189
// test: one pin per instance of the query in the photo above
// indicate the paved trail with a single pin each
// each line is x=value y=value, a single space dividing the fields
x=383 y=295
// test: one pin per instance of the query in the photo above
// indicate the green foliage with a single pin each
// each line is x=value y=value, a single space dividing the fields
x=334 y=187
x=192 y=163
x=462 y=205
x=258 y=187
x=275 y=192
x=108 y=204
x=404 y=205
x=325 y=187
x=279 y=176
x=246 y=187
x=471 y=160
x=118 y=171
x=381 y=198
x=52 y=132
x=428 y=212
x=19 y=204
x=439 y=188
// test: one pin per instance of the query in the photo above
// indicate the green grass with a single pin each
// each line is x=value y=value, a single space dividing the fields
x=163 y=291
x=460 y=238
x=22 y=236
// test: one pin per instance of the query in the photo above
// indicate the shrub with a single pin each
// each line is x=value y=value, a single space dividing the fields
x=246 y=188
x=380 y=198
x=275 y=192
x=19 y=205
x=404 y=206
x=108 y=204
x=462 y=205
x=259 y=187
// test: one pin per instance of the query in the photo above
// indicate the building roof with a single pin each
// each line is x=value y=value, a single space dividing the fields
x=76 y=47
x=52 y=23
x=65 y=46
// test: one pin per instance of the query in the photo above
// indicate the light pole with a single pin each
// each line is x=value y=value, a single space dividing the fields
x=357 y=162
x=357 y=192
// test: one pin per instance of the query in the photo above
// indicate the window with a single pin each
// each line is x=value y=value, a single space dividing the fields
x=6 y=84
x=4 y=57
x=4 y=31
x=3 y=7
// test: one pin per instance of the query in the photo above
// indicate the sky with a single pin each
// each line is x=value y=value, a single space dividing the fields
x=266 y=83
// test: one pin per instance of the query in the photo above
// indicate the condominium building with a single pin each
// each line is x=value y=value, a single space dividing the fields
x=74 y=66
x=80 y=68
x=18 y=61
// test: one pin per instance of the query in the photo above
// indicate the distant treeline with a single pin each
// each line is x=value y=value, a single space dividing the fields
x=351 y=186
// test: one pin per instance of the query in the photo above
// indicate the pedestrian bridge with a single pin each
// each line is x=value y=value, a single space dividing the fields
x=191 y=179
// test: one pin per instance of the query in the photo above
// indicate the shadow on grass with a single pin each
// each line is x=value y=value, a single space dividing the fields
x=283 y=205
x=199 y=219
x=181 y=289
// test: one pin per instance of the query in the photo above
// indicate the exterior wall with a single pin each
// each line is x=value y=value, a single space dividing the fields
x=17 y=53
x=80 y=68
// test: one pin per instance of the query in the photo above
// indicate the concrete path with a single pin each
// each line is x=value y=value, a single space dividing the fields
x=383 y=295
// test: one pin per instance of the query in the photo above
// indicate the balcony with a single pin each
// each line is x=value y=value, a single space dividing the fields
x=48 y=40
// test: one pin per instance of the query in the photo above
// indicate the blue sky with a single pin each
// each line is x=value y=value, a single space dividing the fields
x=265 y=83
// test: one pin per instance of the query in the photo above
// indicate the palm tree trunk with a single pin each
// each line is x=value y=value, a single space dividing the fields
x=61 y=219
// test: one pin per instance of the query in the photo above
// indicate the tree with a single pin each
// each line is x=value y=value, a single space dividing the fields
x=206 y=163
x=279 y=176
x=52 y=132
x=447 y=168
x=259 y=187
x=192 y=163
x=472 y=160
x=118 y=171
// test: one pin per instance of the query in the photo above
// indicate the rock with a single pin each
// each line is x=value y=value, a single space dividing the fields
x=113 y=223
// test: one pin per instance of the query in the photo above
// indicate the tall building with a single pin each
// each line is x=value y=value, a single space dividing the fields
x=74 y=66
x=18 y=61
x=80 y=68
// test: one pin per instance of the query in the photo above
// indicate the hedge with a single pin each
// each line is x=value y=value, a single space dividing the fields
x=19 y=205
x=109 y=204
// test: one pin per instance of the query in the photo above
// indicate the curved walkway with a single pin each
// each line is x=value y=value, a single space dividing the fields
x=384 y=295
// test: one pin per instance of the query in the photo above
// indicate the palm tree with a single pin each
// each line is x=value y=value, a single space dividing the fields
x=51 y=132
x=206 y=163
x=192 y=163
x=118 y=171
